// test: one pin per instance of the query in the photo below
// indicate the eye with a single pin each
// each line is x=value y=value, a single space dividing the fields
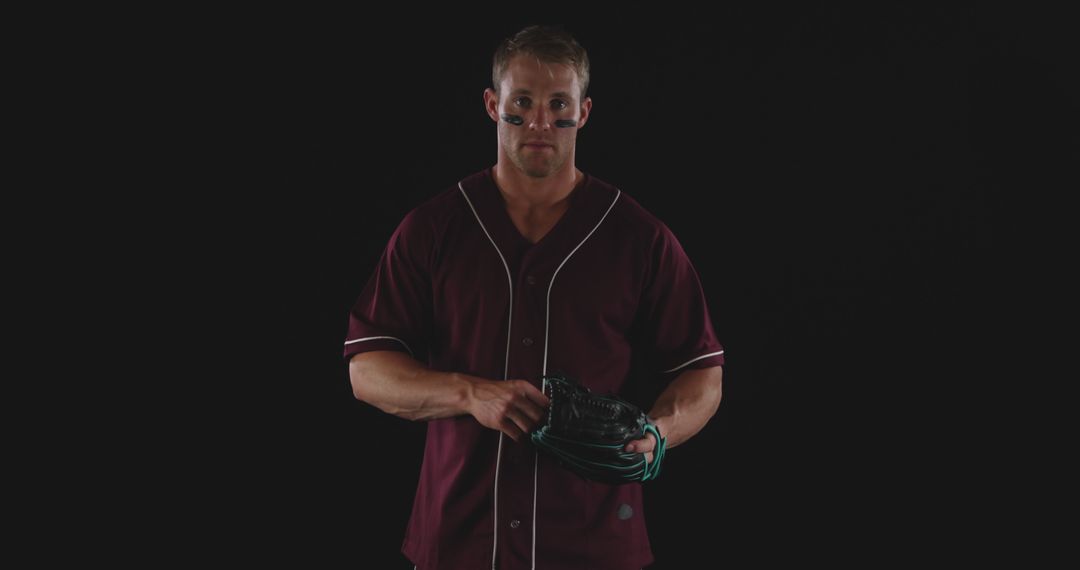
x=559 y=104
x=522 y=101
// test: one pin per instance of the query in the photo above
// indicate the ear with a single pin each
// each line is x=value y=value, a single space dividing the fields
x=491 y=104
x=586 y=108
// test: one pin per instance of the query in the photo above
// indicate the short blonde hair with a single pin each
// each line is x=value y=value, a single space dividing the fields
x=551 y=44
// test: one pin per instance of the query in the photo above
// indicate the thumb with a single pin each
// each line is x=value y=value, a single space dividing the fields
x=640 y=445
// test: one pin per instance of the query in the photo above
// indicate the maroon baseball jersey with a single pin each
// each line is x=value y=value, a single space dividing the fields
x=606 y=295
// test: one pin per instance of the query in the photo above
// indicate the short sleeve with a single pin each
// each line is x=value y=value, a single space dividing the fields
x=675 y=329
x=393 y=311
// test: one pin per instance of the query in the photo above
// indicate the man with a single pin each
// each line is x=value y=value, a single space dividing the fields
x=522 y=269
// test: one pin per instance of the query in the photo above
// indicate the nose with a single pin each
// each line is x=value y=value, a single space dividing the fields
x=541 y=119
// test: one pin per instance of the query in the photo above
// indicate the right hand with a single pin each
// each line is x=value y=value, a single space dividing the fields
x=514 y=407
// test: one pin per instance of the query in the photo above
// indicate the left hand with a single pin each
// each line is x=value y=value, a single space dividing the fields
x=644 y=445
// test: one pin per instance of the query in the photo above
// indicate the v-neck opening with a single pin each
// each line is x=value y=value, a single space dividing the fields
x=509 y=221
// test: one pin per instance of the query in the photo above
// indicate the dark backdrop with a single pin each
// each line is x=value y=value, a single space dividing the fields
x=844 y=181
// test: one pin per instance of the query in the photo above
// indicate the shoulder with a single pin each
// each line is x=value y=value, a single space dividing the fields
x=434 y=214
x=629 y=216
x=656 y=245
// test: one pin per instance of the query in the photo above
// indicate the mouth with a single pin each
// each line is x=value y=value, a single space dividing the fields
x=538 y=145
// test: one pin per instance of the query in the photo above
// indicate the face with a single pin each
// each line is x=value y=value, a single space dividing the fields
x=539 y=111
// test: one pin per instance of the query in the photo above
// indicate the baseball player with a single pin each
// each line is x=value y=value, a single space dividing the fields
x=526 y=267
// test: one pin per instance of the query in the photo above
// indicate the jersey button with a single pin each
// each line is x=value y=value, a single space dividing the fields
x=515 y=523
x=531 y=280
x=526 y=341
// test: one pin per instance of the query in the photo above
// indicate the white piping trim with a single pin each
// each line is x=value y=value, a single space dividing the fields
x=348 y=342
x=506 y=368
x=547 y=315
x=547 y=328
x=693 y=360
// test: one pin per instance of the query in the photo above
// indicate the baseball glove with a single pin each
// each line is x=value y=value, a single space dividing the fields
x=586 y=432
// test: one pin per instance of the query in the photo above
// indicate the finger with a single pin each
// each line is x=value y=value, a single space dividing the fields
x=511 y=429
x=535 y=395
x=643 y=445
x=531 y=413
x=522 y=424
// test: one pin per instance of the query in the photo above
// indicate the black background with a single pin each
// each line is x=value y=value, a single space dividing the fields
x=847 y=182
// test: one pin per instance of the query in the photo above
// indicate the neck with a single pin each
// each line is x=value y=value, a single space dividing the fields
x=522 y=191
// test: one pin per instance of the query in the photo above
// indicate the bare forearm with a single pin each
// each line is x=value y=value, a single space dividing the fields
x=687 y=404
x=399 y=385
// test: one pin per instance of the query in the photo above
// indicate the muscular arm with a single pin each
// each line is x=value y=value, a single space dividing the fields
x=682 y=409
x=399 y=385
